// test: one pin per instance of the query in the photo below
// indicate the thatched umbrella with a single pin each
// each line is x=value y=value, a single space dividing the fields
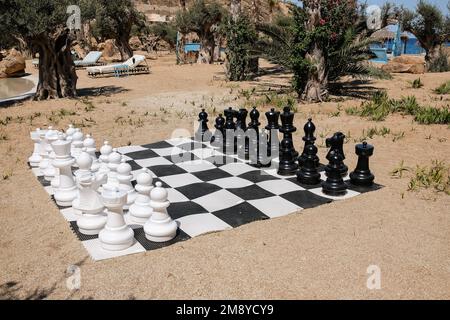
x=386 y=34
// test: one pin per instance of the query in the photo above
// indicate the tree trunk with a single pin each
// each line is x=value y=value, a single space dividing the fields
x=432 y=54
x=316 y=86
x=123 y=44
x=206 y=53
x=181 y=57
x=235 y=9
x=57 y=75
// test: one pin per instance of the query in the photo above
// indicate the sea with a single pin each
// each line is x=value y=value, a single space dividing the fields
x=411 y=46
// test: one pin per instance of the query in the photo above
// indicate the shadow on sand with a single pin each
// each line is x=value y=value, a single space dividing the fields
x=356 y=89
x=106 y=91
x=12 y=290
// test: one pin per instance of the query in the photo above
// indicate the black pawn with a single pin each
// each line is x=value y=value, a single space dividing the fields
x=308 y=174
x=288 y=166
x=362 y=175
x=309 y=139
x=218 y=139
x=334 y=185
x=287 y=127
x=253 y=142
x=336 y=144
x=203 y=126
x=230 y=127
x=273 y=125
x=241 y=128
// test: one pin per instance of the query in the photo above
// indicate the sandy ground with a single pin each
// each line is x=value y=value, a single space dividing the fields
x=321 y=253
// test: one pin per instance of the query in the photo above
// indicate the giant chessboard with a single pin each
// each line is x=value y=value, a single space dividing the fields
x=209 y=192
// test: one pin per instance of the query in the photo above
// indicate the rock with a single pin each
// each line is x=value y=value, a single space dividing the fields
x=81 y=53
x=135 y=43
x=12 y=65
x=109 y=49
x=405 y=64
x=408 y=59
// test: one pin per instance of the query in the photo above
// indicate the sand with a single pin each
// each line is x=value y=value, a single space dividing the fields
x=320 y=253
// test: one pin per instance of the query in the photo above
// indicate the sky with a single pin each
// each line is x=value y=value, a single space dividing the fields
x=411 y=4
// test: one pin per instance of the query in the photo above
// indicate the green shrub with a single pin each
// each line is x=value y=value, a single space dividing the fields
x=443 y=88
x=381 y=106
x=416 y=84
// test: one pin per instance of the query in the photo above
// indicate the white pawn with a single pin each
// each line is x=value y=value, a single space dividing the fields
x=116 y=235
x=67 y=190
x=55 y=181
x=50 y=171
x=35 y=157
x=105 y=151
x=77 y=143
x=124 y=176
x=114 y=160
x=89 y=145
x=141 y=210
x=84 y=163
x=89 y=202
x=43 y=152
x=160 y=227
x=70 y=131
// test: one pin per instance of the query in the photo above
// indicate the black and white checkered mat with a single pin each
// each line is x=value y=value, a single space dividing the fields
x=209 y=192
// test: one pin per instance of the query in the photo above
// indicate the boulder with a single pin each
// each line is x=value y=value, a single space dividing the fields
x=408 y=59
x=396 y=67
x=81 y=53
x=405 y=64
x=12 y=65
x=135 y=43
x=109 y=49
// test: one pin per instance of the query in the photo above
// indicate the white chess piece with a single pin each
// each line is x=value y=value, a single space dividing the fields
x=43 y=152
x=77 y=143
x=124 y=176
x=70 y=131
x=55 y=181
x=114 y=160
x=84 y=163
x=89 y=144
x=141 y=210
x=35 y=158
x=67 y=190
x=116 y=235
x=160 y=227
x=50 y=171
x=89 y=202
x=105 y=151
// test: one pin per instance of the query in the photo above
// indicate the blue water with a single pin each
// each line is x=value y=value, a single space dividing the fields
x=412 y=46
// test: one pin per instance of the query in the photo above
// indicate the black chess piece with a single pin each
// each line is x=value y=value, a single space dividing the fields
x=272 y=128
x=308 y=173
x=203 y=129
x=241 y=139
x=218 y=139
x=336 y=143
x=309 y=139
x=362 y=175
x=230 y=128
x=334 y=185
x=253 y=132
x=287 y=127
x=287 y=166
